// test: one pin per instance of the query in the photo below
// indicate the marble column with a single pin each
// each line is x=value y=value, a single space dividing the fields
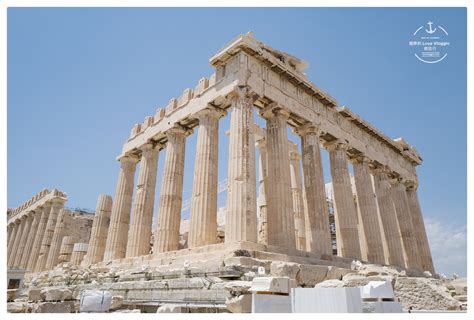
x=345 y=213
x=368 y=210
x=419 y=228
x=139 y=235
x=297 y=194
x=261 y=200
x=11 y=242
x=120 y=217
x=56 y=205
x=171 y=193
x=388 y=217
x=44 y=214
x=405 y=223
x=280 y=217
x=100 y=227
x=318 y=235
x=16 y=244
x=58 y=235
x=23 y=240
x=241 y=215
x=67 y=245
x=203 y=217
x=30 y=239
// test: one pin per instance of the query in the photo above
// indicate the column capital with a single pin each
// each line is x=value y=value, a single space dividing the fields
x=308 y=128
x=210 y=111
x=129 y=158
x=360 y=158
x=57 y=201
x=397 y=181
x=178 y=130
x=274 y=109
x=337 y=144
x=411 y=185
x=242 y=92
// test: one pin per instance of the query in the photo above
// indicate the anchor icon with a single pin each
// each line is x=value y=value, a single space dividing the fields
x=431 y=30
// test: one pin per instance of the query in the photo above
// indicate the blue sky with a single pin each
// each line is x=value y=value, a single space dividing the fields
x=79 y=78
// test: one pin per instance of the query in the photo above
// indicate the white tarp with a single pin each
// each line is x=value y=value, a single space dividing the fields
x=305 y=300
x=95 y=301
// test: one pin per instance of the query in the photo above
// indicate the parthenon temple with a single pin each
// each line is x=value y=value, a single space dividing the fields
x=281 y=214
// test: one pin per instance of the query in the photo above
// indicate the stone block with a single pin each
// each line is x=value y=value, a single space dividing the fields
x=54 y=307
x=11 y=294
x=17 y=307
x=337 y=273
x=377 y=289
x=284 y=269
x=116 y=303
x=238 y=286
x=240 y=304
x=310 y=275
x=271 y=284
x=269 y=303
x=57 y=294
x=36 y=294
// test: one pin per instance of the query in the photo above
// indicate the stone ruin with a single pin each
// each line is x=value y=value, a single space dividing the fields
x=285 y=230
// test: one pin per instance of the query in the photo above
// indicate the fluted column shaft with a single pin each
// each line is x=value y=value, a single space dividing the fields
x=100 y=227
x=56 y=205
x=116 y=244
x=318 y=235
x=419 y=229
x=345 y=214
x=388 y=217
x=11 y=242
x=203 y=217
x=139 y=235
x=280 y=216
x=59 y=232
x=30 y=239
x=261 y=200
x=368 y=210
x=405 y=223
x=16 y=244
x=297 y=195
x=171 y=193
x=33 y=259
x=23 y=240
x=241 y=217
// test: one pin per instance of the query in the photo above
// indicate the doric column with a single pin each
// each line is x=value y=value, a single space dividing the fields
x=23 y=240
x=56 y=205
x=44 y=214
x=261 y=200
x=203 y=217
x=318 y=236
x=11 y=242
x=30 y=239
x=66 y=249
x=368 y=210
x=78 y=252
x=171 y=193
x=280 y=217
x=100 y=227
x=59 y=233
x=388 y=217
x=139 y=235
x=120 y=217
x=345 y=213
x=241 y=216
x=419 y=228
x=405 y=223
x=297 y=194
x=16 y=244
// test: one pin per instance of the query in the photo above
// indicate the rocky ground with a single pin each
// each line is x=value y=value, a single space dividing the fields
x=219 y=288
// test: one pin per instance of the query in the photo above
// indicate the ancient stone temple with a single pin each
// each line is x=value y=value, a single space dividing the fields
x=282 y=216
